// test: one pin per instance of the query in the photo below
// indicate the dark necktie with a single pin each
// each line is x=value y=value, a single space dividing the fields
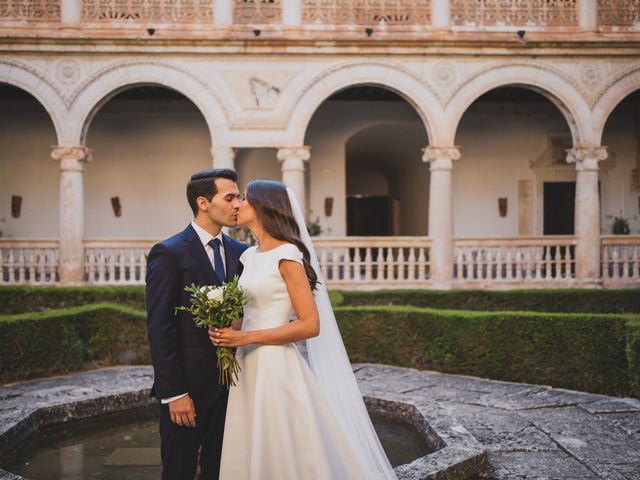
x=218 y=264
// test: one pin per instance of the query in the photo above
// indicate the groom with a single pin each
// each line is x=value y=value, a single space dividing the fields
x=192 y=402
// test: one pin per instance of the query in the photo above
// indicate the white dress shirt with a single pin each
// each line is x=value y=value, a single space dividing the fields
x=205 y=238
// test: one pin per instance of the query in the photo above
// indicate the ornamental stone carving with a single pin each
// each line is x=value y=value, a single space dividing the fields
x=71 y=157
x=586 y=158
x=67 y=71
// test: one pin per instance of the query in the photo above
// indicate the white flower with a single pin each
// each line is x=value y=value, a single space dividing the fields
x=216 y=294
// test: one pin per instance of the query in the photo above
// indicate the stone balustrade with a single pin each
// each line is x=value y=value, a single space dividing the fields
x=462 y=15
x=359 y=262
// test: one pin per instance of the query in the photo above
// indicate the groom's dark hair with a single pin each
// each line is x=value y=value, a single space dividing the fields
x=203 y=184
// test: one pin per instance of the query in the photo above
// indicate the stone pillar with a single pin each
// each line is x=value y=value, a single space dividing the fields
x=587 y=214
x=223 y=13
x=441 y=14
x=588 y=14
x=292 y=160
x=71 y=236
x=291 y=13
x=70 y=12
x=223 y=157
x=441 y=214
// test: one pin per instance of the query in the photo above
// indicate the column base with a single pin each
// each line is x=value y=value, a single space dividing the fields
x=589 y=283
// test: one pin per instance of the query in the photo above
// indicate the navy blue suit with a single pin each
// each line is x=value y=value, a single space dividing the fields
x=184 y=360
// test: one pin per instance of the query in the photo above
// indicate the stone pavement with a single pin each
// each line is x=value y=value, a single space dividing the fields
x=528 y=432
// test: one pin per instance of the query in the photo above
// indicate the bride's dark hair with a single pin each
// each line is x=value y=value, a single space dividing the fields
x=273 y=209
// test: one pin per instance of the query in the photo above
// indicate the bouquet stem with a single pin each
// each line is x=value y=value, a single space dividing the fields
x=228 y=366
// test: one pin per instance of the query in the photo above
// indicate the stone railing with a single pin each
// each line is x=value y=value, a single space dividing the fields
x=28 y=261
x=148 y=12
x=30 y=10
x=116 y=262
x=374 y=262
x=505 y=14
x=367 y=12
x=524 y=261
x=211 y=16
x=620 y=265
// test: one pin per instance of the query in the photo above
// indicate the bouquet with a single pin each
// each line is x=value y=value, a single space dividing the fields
x=218 y=306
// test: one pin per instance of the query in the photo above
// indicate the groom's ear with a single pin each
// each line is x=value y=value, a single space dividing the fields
x=203 y=203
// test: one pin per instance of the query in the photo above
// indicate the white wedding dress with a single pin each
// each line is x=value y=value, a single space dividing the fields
x=278 y=424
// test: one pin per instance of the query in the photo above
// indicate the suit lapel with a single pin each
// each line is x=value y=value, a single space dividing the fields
x=197 y=252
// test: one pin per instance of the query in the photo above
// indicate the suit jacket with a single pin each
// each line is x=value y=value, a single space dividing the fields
x=184 y=360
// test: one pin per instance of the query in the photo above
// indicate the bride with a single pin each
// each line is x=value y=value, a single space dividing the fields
x=286 y=419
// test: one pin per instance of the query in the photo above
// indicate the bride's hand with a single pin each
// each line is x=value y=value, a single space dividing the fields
x=227 y=337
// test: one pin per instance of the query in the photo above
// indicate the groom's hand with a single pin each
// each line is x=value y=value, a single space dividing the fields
x=183 y=412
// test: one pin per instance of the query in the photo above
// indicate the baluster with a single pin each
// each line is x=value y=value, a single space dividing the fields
x=12 y=263
x=538 y=261
x=547 y=262
x=509 y=264
x=54 y=266
x=625 y=260
x=567 y=261
x=41 y=268
x=605 y=263
x=615 y=262
x=526 y=273
x=132 y=267
x=460 y=265
x=347 y=265
x=422 y=260
x=335 y=261
x=143 y=266
x=21 y=265
x=356 y=265
x=101 y=267
x=411 y=265
x=368 y=264
x=496 y=267
x=400 y=265
x=323 y=263
x=558 y=264
x=475 y=269
x=635 y=263
x=1 y=266
x=380 y=273
x=111 y=262
x=91 y=268
x=31 y=266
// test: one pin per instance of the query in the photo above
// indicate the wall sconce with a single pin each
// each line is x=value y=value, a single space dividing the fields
x=328 y=206
x=368 y=31
x=257 y=32
x=151 y=31
x=521 y=33
x=16 y=205
x=502 y=206
x=117 y=208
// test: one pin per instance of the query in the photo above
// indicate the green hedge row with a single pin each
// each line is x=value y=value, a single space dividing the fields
x=21 y=299
x=594 y=353
x=45 y=343
x=562 y=300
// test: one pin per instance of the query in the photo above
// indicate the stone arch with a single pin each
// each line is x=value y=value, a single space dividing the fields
x=116 y=77
x=402 y=81
x=553 y=85
x=623 y=85
x=35 y=83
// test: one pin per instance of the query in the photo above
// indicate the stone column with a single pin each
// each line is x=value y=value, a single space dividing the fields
x=441 y=214
x=587 y=214
x=291 y=13
x=441 y=14
x=223 y=157
x=71 y=235
x=223 y=13
x=588 y=14
x=292 y=160
x=70 y=12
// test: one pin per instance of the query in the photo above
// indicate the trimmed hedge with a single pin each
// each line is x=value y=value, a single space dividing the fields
x=576 y=351
x=20 y=299
x=561 y=300
x=65 y=340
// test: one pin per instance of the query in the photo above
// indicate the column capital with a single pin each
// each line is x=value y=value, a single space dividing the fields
x=223 y=157
x=441 y=158
x=301 y=153
x=587 y=158
x=71 y=157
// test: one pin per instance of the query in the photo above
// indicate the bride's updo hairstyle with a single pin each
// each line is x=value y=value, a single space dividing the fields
x=273 y=210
